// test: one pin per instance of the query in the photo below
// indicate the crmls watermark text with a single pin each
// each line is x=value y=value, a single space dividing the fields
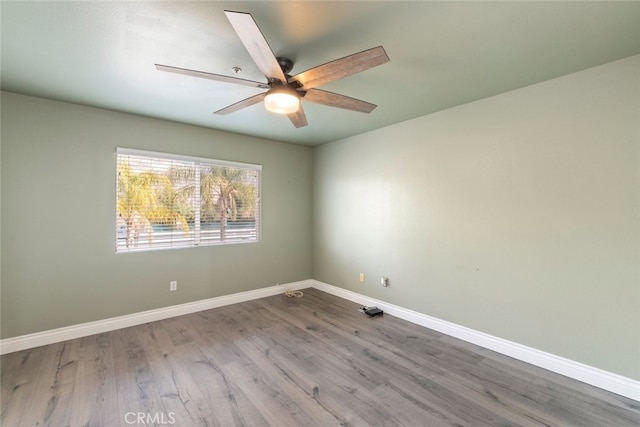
x=146 y=418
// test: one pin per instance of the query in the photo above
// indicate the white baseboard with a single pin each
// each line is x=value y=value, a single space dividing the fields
x=594 y=376
x=38 y=339
x=588 y=374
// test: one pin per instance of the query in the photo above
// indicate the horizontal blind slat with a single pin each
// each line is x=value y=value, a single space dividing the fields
x=158 y=205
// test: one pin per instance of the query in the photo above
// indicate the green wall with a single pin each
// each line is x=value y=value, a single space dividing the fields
x=58 y=217
x=517 y=215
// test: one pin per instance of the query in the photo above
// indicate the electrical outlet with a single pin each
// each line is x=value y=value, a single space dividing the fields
x=362 y=277
x=384 y=281
x=173 y=285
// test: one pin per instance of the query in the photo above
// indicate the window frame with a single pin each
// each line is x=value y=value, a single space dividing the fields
x=195 y=240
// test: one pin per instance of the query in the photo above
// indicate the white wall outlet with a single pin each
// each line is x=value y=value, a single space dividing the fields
x=173 y=285
x=362 y=277
x=384 y=281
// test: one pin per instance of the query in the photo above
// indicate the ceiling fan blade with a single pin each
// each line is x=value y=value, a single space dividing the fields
x=336 y=100
x=256 y=44
x=211 y=76
x=241 y=104
x=342 y=67
x=299 y=119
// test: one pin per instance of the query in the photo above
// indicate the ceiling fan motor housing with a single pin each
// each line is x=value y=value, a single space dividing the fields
x=286 y=64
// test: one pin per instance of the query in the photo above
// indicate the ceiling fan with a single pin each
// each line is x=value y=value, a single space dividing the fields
x=285 y=91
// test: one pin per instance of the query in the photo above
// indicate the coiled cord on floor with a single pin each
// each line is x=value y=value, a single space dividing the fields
x=293 y=294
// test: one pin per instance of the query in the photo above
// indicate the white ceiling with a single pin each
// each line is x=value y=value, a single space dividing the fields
x=442 y=54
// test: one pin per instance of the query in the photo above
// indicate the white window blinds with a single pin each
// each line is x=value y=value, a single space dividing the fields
x=170 y=201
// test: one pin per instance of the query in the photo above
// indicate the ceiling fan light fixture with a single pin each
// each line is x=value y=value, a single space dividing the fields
x=282 y=100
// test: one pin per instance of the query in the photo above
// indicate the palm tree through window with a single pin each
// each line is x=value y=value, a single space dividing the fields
x=167 y=201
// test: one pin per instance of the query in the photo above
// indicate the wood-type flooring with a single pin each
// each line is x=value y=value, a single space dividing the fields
x=279 y=361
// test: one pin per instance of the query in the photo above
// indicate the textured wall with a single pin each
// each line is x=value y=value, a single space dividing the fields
x=517 y=215
x=58 y=217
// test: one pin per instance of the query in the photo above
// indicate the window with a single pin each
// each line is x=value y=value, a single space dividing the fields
x=170 y=201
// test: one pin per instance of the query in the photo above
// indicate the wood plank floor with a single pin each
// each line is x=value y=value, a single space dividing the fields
x=311 y=361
